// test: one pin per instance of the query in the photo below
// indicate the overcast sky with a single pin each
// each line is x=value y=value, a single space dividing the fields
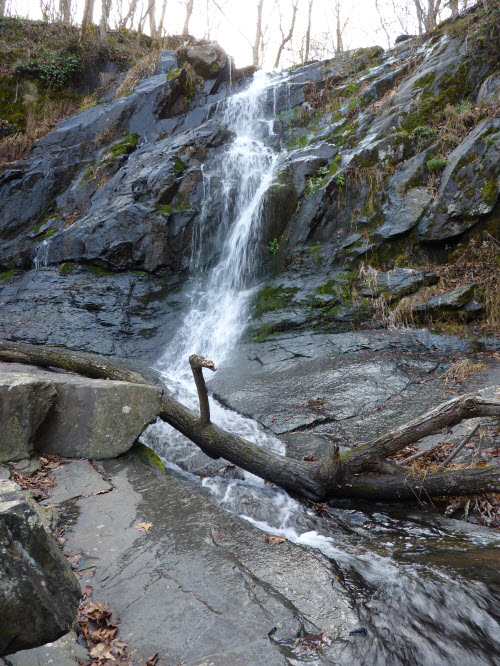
x=235 y=30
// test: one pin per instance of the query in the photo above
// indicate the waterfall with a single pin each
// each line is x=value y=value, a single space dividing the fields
x=41 y=258
x=229 y=227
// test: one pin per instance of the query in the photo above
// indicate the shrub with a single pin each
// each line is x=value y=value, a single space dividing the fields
x=436 y=164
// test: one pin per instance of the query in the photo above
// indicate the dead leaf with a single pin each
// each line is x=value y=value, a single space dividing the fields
x=87 y=591
x=272 y=538
x=308 y=458
x=143 y=527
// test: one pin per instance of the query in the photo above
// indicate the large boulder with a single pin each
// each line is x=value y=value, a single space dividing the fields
x=90 y=418
x=24 y=403
x=470 y=185
x=206 y=60
x=39 y=594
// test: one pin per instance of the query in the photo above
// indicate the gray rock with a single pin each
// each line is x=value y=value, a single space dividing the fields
x=449 y=301
x=29 y=466
x=206 y=60
x=24 y=403
x=76 y=479
x=469 y=187
x=490 y=89
x=63 y=652
x=97 y=419
x=39 y=592
x=400 y=282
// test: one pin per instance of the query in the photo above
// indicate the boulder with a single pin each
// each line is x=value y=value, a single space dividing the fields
x=399 y=282
x=470 y=185
x=97 y=419
x=207 y=60
x=39 y=594
x=458 y=300
x=24 y=403
x=90 y=418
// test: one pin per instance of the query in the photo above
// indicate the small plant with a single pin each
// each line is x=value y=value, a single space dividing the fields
x=340 y=179
x=424 y=131
x=436 y=164
x=55 y=72
x=314 y=184
x=273 y=246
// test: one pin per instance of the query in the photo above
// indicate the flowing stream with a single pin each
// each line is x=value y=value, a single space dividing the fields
x=416 y=585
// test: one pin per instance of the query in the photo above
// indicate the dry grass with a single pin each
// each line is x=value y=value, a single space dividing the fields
x=137 y=73
x=459 y=370
x=38 y=123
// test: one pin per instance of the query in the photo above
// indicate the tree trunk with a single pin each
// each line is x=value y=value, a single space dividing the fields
x=308 y=32
x=64 y=10
x=258 y=36
x=189 y=10
x=362 y=472
x=103 y=25
x=162 y=18
x=88 y=14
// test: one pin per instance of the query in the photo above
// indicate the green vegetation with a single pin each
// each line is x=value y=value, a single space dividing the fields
x=424 y=81
x=87 y=106
x=424 y=131
x=301 y=141
x=48 y=234
x=179 y=165
x=7 y=274
x=123 y=147
x=273 y=246
x=66 y=268
x=173 y=74
x=272 y=298
x=164 y=209
x=436 y=164
x=100 y=270
x=340 y=179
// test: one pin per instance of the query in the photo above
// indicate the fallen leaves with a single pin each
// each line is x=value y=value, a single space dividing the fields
x=39 y=483
x=314 y=641
x=272 y=538
x=143 y=527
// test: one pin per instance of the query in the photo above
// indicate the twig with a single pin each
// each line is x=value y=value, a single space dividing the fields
x=416 y=455
x=477 y=453
x=457 y=449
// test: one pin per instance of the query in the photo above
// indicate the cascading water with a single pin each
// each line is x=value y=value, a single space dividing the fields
x=439 y=620
x=228 y=228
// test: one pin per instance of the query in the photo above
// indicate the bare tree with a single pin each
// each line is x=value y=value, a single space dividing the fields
x=382 y=23
x=162 y=18
x=188 y=4
x=286 y=38
x=308 y=31
x=103 y=25
x=2 y=7
x=257 y=45
x=340 y=26
x=88 y=14
x=64 y=10
x=129 y=16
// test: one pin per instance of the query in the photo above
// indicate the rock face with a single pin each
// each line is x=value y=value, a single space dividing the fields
x=39 y=594
x=91 y=418
x=381 y=154
x=24 y=404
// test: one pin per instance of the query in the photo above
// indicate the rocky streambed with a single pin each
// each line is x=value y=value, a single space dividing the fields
x=223 y=569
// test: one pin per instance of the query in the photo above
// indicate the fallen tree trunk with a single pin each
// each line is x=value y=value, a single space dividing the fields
x=362 y=472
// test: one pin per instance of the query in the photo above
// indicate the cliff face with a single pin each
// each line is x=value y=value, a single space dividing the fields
x=383 y=155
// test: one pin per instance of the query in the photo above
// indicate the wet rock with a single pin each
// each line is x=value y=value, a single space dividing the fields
x=198 y=566
x=76 y=479
x=25 y=402
x=39 y=592
x=469 y=187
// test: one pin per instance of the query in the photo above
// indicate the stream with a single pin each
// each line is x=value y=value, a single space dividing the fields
x=426 y=592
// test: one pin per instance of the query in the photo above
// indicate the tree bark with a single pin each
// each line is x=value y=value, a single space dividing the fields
x=362 y=472
x=258 y=36
x=88 y=13
x=308 y=32
x=189 y=10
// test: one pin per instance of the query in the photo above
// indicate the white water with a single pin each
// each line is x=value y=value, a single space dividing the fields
x=41 y=259
x=229 y=228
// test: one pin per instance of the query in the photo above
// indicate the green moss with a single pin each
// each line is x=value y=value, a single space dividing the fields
x=127 y=93
x=123 y=147
x=49 y=233
x=301 y=141
x=148 y=456
x=179 y=165
x=174 y=74
x=424 y=81
x=100 y=270
x=270 y=298
x=489 y=192
x=66 y=268
x=7 y=274
x=87 y=106
x=164 y=209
